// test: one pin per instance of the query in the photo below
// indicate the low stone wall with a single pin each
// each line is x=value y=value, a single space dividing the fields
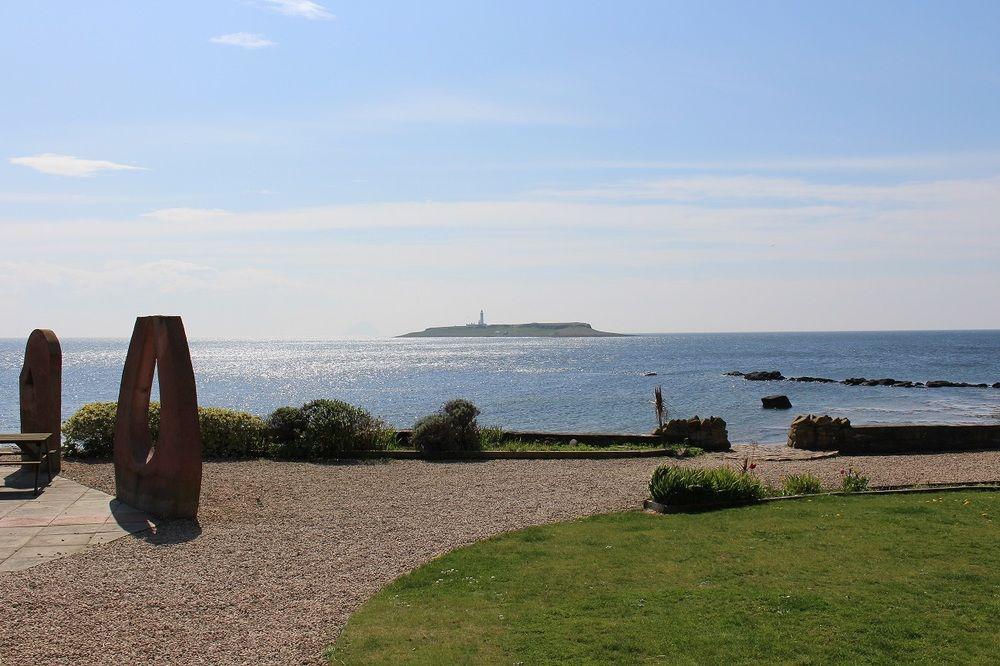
x=823 y=433
x=590 y=438
x=709 y=434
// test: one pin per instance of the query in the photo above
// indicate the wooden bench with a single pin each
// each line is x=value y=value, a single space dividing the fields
x=34 y=451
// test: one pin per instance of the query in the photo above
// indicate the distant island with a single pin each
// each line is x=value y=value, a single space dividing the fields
x=572 y=329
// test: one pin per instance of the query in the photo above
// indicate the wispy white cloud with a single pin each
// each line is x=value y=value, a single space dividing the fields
x=67 y=165
x=306 y=9
x=186 y=214
x=244 y=40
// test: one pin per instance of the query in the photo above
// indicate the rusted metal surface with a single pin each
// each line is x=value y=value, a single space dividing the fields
x=162 y=479
x=40 y=388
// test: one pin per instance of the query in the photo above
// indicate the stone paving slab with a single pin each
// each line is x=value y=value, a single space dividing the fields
x=64 y=519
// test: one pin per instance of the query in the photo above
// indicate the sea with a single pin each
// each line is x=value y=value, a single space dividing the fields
x=572 y=384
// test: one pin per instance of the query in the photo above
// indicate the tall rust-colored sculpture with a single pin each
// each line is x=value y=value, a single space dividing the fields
x=40 y=386
x=165 y=479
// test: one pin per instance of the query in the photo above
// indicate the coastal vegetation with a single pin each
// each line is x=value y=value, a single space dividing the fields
x=319 y=429
x=329 y=429
x=801 y=484
x=686 y=486
x=452 y=429
x=682 y=488
x=769 y=583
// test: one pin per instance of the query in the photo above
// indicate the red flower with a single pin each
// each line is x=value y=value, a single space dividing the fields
x=753 y=465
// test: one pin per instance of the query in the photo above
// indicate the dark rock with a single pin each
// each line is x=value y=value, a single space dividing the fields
x=903 y=384
x=941 y=383
x=764 y=376
x=980 y=385
x=733 y=373
x=776 y=402
x=854 y=381
x=821 y=380
x=996 y=384
x=649 y=374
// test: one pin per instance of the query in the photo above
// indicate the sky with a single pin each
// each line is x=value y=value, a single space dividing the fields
x=319 y=169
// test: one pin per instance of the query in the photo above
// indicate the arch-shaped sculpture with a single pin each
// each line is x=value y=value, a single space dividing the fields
x=165 y=479
x=40 y=388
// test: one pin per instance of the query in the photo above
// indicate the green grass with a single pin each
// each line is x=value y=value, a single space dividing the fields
x=869 y=579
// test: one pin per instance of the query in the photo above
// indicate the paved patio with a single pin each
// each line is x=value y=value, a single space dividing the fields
x=64 y=519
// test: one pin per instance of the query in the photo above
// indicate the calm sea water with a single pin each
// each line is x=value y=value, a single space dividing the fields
x=571 y=384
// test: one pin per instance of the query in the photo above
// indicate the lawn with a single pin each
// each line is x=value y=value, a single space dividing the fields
x=866 y=579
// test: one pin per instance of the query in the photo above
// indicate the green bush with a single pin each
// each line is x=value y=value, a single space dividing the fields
x=328 y=429
x=691 y=487
x=452 y=429
x=319 y=429
x=227 y=433
x=852 y=482
x=90 y=431
x=286 y=425
x=801 y=484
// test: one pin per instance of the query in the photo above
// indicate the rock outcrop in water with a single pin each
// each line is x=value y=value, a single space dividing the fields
x=775 y=375
x=764 y=376
x=776 y=402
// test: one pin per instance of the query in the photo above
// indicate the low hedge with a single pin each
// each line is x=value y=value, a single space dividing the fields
x=686 y=486
x=227 y=433
x=319 y=429
x=90 y=431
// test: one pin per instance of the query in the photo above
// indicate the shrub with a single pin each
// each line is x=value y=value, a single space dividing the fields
x=90 y=431
x=692 y=487
x=286 y=425
x=801 y=484
x=227 y=433
x=328 y=429
x=450 y=430
x=852 y=482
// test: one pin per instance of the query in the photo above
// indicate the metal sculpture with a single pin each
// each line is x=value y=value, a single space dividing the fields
x=40 y=388
x=164 y=478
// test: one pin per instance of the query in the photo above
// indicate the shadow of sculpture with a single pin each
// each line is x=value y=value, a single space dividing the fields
x=162 y=480
x=40 y=388
x=153 y=530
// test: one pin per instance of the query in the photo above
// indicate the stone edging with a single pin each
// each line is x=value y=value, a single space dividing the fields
x=516 y=455
x=656 y=507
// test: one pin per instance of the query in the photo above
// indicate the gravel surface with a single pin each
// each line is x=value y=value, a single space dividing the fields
x=284 y=552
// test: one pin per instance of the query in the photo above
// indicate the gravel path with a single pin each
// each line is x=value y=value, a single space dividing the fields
x=286 y=551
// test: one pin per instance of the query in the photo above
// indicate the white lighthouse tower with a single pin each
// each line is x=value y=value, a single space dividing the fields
x=482 y=318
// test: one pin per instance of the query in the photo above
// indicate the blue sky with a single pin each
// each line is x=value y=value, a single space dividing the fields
x=291 y=168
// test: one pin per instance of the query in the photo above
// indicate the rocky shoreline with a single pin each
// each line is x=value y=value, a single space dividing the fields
x=776 y=376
